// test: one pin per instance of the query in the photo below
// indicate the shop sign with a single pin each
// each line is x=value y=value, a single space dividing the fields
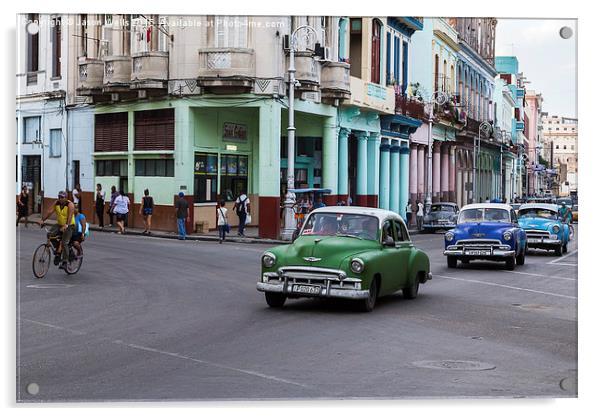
x=376 y=91
x=235 y=132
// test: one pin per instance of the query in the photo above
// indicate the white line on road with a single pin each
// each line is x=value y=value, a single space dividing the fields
x=557 y=261
x=175 y=355
x=566 y=264
x=539 y=275
x=505 y=286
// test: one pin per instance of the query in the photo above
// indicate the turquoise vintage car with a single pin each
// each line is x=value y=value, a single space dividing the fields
x=544 y=227
x=345 y=252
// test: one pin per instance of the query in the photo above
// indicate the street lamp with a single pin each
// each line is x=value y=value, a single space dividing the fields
x=439 y=98
x=308 y=33
x=486 y=128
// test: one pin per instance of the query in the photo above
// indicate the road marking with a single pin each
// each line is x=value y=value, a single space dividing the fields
x=557 y=261
x=506 y=286
x=539 y=275
x=566 y=264
x=176 y=355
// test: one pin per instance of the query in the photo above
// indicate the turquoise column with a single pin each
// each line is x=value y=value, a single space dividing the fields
x=384 y=182
x=343 y=185
x=362 y=168
x=373 y=169
x=330 y=159
x=394 y=177
x=404 y=178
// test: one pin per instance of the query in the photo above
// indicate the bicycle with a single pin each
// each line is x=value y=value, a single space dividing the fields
x=42 y=256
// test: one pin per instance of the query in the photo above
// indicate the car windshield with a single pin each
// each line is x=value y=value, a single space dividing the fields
x=339 y=224
x=537 y=213
x=484 y=215
x=442 y=208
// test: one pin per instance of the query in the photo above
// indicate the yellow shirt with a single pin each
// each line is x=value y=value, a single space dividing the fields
x=62 y=213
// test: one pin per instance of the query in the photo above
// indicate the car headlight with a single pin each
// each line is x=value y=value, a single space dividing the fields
x=507 y=236
x=556 y=228
x=268 y=260
x=357 y=265
x=449 y=236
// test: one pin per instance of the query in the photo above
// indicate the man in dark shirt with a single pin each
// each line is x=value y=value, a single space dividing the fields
x=182 y=215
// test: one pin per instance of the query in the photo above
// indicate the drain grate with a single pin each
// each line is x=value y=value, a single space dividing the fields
x=454 y=365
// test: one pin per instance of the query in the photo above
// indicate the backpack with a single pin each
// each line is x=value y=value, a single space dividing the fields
x=240 y=206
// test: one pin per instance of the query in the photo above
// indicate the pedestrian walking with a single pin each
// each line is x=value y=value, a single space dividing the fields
x=409 y=213
x=23 y=205
x=487 y=200
x=99 y=204
x=121 y=208
x=114 y=195
x=182 y=215
x=77 y=197
x=222 y=221
x=146 y=210
x=419 y=215
x=242 y=209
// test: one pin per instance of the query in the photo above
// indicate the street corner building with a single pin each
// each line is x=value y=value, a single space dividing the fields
x=385 y=110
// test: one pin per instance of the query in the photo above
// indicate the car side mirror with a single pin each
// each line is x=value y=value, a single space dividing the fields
x=389 y=242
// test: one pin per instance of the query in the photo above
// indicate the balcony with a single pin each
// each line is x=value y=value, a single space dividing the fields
x=409 y=107
x=335 y=80
x=306 y=72
x=90 y=78
x=150 y=71
x=227 y=70
x=117 y=74
x=371 y=96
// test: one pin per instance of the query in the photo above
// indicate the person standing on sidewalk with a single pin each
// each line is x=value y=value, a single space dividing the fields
x=99 y=204
x=23 y=205
x=182 y=215
x=121 y=207
x=146 y=209
x=409 y=209
x=222 y=221
x=114 y=195
x=419 y=215
x=241 y=206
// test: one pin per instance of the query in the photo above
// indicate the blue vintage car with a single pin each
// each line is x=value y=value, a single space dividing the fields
x=544 y=227
x=486 y=232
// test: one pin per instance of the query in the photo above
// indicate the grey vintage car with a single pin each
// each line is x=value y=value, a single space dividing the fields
x=442 y=216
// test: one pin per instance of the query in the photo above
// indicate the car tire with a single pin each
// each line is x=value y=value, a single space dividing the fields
x=452 y=262
x=412 y=291
x=275 y=300
x=558 y=251
x=367 y=305
x=510 y=263
x=520 y=259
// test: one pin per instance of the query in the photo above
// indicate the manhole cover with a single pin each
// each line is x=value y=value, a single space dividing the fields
x=569 y=384
x=50 y=286
x=455 y=365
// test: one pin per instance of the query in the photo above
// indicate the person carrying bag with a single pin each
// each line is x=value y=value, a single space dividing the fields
x=222 y=221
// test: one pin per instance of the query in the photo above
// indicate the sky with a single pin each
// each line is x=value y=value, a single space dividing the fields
x=547 y=60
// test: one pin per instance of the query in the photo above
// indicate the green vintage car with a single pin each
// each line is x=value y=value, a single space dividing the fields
x=345 y=252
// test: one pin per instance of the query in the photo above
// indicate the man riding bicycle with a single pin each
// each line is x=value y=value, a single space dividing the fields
x=565 y=213
x=65 y=224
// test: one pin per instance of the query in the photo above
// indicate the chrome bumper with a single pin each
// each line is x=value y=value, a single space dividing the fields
x=494 y=253
x=544 y=242
x=441 y=226
x=279 y=287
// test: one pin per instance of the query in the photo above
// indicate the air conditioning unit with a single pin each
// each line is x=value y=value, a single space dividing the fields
x=327 y=53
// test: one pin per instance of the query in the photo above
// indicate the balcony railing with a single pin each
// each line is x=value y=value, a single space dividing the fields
x=409 y=107
x=150 y=70
x=227 y=68
x=445 y=84
x=117 y=72
x=90 y=75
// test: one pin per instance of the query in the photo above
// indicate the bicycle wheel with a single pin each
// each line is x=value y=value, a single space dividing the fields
x=41 y=261
x=74 y=265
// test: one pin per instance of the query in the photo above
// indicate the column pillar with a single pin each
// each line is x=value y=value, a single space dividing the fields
x=436 y=171
x=373 y=169
x=420 y=172
x=384 y=188
x=343 y=180
x=362 y=168
x=269 y=170
x=451 y=173
x=330 y=160
x=404 y=182
x=459 y=185
x=445 y=173
x=413 y=172
x=394 y=177
x=470 y=198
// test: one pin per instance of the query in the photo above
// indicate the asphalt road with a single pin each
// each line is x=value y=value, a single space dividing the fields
x=150 y=319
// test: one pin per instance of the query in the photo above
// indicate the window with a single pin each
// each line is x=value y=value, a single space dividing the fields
x=56 y=142
x=376 y=29
x=401 y=233
x=387 y=231
x=205 y=177
x=155 y=167
x=56 y=47
x=111 y=132
x=231 y=31
x=355 y=48
x=572 y=147
x=557 y=147
x=33 y=46
x=32 y=129
x=112 y=167
x=565 y=147
x=154 y=130
x=233 y=176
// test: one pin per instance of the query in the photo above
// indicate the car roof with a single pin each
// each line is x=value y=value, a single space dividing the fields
x=487 y=205
x=551 y=207
x=381 y=214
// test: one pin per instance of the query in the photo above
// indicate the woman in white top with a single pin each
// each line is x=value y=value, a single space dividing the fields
x=222 y=220
x=121 y=207
x=77 y=192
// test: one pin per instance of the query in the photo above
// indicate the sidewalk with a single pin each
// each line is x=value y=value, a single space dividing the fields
x=252 y=233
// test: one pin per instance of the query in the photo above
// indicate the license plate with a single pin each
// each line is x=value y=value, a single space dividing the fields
x=477 y=252
x=306 y=289
x=534 y=240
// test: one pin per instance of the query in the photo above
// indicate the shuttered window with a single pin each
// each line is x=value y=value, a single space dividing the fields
x=111 y=132
x=154 y=130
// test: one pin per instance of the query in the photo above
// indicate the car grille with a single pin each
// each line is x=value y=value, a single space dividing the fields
x=328 y=278
x=479 y=243
x=537 y=234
